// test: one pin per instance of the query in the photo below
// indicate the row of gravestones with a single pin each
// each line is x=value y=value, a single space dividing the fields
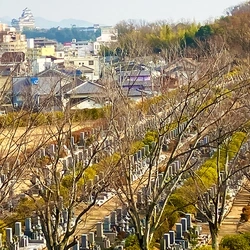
x=144 y=195
x=204 y=201
x=85 y=154
x=106 y=231
x=173 y=170
x=22 y=240
x=110 y=222
x=180 y=238
x=141 y=166
x=32 y=233
x=67 y=161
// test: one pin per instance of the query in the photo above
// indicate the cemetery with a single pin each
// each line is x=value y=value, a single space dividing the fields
x=105 y=235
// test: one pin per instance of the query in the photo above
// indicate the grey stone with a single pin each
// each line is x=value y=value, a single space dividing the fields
x=107 y=224
x=18 y=229
x=184 y=224
x=84 y=241
x=189 y=220
x=99 y=230
x=178 y=230
x=9 y=238
x=172 y=237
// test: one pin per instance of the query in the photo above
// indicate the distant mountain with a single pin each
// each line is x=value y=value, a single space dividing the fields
x=46 y=24
x=65 y=23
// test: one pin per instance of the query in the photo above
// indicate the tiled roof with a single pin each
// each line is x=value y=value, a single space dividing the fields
x=87 y=88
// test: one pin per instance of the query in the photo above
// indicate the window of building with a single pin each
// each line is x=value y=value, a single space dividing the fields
x=91 y=62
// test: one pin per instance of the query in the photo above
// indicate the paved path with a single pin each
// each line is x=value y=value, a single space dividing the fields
x=231 y=222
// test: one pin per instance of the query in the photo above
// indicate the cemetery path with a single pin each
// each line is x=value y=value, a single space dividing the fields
x=231 y=224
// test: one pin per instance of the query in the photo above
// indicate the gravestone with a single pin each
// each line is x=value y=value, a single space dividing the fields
x=106 y=243
x=113 y=217
x=99 y=230
x=84 y=242
x=18 y=229
x=119 y=214
x=189 y=220
x=80 y=154
x=82 y=139
x=178 y=230
x=24 y=242
x=166 y=241
x=70 y=161
x=72 y=141
x=172 y=237
x=91 y=238
x=107 y=224
x=9 y=238
x=184 y=225
x=43 y=152
x=28 y=228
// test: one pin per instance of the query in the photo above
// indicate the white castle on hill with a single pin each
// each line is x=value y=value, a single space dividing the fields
x=26 y=20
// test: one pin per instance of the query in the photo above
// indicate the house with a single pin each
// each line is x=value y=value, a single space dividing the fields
x=179 y=71
x=136 y=84
x=92 y=62
x=86 y=95
x=43 y=91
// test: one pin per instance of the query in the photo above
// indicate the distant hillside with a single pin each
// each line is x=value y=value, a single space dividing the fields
x=65 y=23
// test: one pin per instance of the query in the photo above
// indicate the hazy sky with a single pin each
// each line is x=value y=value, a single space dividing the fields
x=112 y=11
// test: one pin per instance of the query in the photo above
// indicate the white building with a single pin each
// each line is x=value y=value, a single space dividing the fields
x=108 y=36
x=41 y=64
x=26 y=20
x=86 y=63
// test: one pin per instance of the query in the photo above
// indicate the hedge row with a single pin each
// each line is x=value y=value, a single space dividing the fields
x=23 y=118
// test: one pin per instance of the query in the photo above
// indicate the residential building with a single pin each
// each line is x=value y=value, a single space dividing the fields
x=86 y=95
x=34 y=53
x=92 y=62
x=12 y=63
x=136 y=84
x=40 y=42
x=179 y=71
x=40 y=64
x=11 y=40
x=108 y=36
x=26 y=20
x=42 y=54
x=78 y=48
x=46 y=90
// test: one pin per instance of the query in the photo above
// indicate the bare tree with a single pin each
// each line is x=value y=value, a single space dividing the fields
x=178 y=120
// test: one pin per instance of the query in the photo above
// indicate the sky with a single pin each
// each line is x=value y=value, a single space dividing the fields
x=110 y=12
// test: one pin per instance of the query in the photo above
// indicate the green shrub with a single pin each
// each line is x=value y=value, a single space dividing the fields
x=235 y=242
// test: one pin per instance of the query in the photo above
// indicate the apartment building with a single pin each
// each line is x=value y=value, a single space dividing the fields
x=108 y=36
x=11 y=40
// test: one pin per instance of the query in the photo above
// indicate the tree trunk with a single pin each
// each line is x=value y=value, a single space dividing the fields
x=214 y=236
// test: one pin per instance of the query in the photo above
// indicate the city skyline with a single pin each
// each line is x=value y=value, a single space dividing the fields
x=111 y=12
